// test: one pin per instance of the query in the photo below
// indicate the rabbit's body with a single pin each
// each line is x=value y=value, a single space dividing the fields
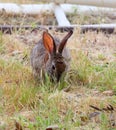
x=46 y=58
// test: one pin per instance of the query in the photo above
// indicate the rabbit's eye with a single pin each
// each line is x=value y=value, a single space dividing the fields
x=53 y=67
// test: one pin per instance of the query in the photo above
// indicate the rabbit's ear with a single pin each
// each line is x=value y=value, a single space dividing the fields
x=49 y=43
x=64 y=41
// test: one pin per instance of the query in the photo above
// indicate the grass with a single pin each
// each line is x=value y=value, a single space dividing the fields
x=37 y=105
x=90 y=75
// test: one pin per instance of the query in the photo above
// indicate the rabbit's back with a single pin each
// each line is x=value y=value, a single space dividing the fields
x=37 y=58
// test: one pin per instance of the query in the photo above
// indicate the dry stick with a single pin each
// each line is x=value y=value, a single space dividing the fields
x=10 y=28
x=108 y=108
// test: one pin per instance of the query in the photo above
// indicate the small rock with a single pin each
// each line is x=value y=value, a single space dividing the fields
x=16 y=52
x=52 y=127
x=95 y=92
x=66 y=89
x=18 y=126
x=108 y=93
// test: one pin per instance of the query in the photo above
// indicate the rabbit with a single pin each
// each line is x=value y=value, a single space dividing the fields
x=50 y=56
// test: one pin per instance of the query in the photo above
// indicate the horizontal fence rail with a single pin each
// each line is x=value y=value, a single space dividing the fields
x=49 y=7
x=83 y=28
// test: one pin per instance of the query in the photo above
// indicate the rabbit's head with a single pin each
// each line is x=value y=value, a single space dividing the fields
x=55 y=62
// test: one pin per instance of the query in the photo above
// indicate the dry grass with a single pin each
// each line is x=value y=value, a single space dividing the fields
x=27 y=19
x=36 y=105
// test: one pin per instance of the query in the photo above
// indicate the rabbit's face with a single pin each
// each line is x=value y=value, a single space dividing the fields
x=57 y=67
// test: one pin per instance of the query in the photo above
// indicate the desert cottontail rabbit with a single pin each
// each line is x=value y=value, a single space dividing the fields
x=51 y=56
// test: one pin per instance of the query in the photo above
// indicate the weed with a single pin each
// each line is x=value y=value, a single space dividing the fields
x=101 y=57
x=104 y=122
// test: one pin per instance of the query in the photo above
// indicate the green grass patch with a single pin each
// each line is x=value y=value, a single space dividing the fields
x=84 y=72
